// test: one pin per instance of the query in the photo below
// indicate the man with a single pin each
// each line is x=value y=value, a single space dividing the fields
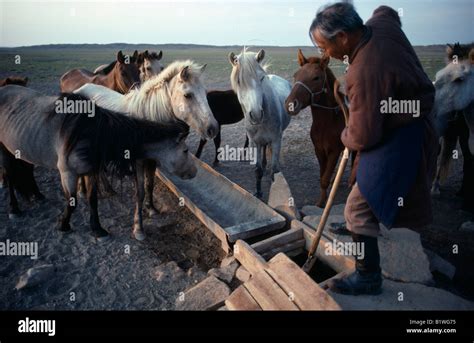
x=390 y=125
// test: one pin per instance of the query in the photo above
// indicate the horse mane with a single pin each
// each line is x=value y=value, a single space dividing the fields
x=246 y=69
x=102 y=140
x=151 y=100
x=107 y=69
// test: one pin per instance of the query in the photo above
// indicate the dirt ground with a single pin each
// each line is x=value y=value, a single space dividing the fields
x=122 y=273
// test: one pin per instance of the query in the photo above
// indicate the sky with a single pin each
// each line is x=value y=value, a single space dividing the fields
x=218 y=22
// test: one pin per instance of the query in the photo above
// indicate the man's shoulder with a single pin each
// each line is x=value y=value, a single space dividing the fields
x=385 y=13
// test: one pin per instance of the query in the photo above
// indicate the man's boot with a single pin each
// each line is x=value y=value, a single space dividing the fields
x=367 y=278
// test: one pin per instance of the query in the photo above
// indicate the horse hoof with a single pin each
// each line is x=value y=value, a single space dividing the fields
x=101 y=235
x=259 y=195
x=151 y=211
x=139 y=235
x=102 y=239
x=215 y=163
x=14 y=216
x=320 y=204
x=64 y=228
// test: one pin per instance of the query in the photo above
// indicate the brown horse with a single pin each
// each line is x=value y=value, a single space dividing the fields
x=227 y=110
x=14 y=80
x=120 y=75
x=313 y=86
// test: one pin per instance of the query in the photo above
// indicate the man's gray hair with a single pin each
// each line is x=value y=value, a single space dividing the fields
x=332 y=19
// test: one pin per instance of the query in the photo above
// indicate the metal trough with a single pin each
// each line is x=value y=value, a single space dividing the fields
x=227 y=209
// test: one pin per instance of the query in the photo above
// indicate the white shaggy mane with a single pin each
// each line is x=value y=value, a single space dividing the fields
x=152 y=100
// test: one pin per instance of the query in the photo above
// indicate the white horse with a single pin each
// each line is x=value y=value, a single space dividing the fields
x=454 y=93
x=177 y=93
x=262 y=97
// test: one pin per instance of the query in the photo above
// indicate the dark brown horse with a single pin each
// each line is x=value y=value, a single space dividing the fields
x=313 y=86
x=227 y=110
x=120 y=75
x=14 y=80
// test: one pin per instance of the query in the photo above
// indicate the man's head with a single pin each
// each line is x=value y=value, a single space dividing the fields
x=336 y=30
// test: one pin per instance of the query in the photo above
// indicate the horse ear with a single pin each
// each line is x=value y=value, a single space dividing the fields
x=260 y=55
x=232 y=59
x=135 y=56
x=146 y=53
x=184 y=74
x=202 y=68
x=160 y=55
x=324 y=61
x=120 y=57
x=471 y=56
x=301 y=59
x=449 y=49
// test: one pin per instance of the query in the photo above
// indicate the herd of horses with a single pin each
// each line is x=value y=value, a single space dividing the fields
x=143 y=113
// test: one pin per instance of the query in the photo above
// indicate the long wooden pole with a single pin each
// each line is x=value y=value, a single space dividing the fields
x=327 y=209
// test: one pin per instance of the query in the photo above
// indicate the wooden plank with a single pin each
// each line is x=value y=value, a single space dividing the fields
x=337 y=262
x=254 y=228
x=306 y=293
x=291 y=246
x=242 y=300
x=278 y=240
x=247 y=257
x=268 y=294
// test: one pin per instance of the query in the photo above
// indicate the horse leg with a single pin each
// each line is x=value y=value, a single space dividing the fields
x=202 y=142
x=468 y=158
x=36 y=194
x=448 y=144
x=3 y=183
x=322 y=159
x=259 y=171
x=81 y=186
x=327 y=176
x=275 y=156
x=91 y=190
x=264 y=158
x=217 y=144
x=149 y=169
x=13 y=209
x=246 y=144
x=138 y=231
x=69 y=183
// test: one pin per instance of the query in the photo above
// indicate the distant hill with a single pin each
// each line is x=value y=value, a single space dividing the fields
x=143 y=46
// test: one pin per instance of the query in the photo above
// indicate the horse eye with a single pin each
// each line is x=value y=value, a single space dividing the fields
x=188 y=95
x=316 y=78
x=186 y=150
